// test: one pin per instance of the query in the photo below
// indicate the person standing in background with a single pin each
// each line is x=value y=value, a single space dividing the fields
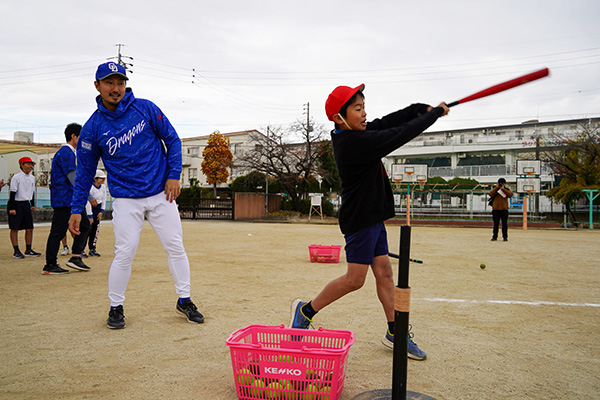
x=62 y=177
x=20 y=205
x=95 y=213
x=500 y=195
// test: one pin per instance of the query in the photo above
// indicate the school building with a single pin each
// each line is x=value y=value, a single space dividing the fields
x=489 y=153
x=484 y=154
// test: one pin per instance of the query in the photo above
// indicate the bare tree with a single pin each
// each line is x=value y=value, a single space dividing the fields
x=293 y=164
x=577 y=160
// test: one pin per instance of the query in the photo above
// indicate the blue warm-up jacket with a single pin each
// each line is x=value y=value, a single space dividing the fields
x=139 y=148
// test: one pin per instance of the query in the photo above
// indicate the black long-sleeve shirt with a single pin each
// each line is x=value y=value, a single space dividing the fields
x=366 y=191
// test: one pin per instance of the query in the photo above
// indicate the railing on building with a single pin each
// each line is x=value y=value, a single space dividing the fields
x=474 y=171
x=469 y=171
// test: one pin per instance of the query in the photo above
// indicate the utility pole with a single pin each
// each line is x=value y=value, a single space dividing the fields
x=309 y=128
x=120 y=59
x=267 y=177
x=537 y=157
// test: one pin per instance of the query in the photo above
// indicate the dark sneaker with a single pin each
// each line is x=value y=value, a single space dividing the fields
x=31 y=253
x=413 y=350
x=94 y=253
x=494 y=239
x=299 y=320
x=189 y=309
x=116 y=318
x=505 y=239
x=54 y=269
x=77 y=263
x=83 y=255
x=18 y=254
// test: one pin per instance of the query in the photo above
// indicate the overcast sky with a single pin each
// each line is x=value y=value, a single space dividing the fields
x=236 y=65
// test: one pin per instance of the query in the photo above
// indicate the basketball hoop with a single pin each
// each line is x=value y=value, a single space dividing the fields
x=528 y=189
x=421 y=179
x=529 y=171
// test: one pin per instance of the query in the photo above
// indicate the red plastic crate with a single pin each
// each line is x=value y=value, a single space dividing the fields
x=274 y=362
x=324 y=254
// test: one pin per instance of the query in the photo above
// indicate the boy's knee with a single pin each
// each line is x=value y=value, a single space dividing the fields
x=355 y=283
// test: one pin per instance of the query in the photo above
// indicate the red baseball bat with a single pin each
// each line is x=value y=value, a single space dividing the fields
x=501 y=87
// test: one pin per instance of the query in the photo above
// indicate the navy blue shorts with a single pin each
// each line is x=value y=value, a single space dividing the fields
x=363 y=246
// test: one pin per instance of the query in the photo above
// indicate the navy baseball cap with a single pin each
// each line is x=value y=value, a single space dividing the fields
x=110 y=68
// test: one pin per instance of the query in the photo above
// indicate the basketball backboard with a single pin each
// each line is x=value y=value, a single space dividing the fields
x=529 y=167
x=528 y=185
x=409 y=173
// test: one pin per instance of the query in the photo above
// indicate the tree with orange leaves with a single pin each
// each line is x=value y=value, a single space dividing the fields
x=217 y=160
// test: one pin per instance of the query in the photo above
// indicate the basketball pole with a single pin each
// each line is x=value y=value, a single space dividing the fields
x=408 y=204
x=401 y=314
x=525 y=211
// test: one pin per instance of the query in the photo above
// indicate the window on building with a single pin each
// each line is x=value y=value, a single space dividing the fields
x=519 y=134
x=488 y=159
x=441 y=162
x=193 y=151
x=193 y=173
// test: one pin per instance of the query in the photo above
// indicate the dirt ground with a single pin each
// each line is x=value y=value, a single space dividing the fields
x=526 y=327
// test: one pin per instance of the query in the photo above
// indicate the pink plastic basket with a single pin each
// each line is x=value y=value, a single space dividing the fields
x=274 y=362
x=324 y=254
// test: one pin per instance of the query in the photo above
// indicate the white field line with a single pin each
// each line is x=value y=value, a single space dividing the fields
x=510 y=302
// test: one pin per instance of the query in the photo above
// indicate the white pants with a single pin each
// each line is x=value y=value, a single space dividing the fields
x=128 y=220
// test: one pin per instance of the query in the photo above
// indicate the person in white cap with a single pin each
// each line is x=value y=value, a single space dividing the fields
x=95 y=213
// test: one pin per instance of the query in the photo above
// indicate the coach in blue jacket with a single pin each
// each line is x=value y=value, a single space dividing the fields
x=142 y=156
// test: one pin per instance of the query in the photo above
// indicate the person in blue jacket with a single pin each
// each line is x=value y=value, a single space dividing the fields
x=62 y=178
x=141 y=153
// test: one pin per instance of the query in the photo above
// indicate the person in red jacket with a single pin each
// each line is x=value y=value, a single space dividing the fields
x=500 y=193
x=358 y=147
